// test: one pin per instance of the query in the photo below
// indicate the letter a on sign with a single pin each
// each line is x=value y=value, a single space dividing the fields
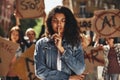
x=107 y=23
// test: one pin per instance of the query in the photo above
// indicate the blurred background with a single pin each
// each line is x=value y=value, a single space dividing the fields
x=80 y=8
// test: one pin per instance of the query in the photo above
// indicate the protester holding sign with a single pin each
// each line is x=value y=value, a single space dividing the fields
x=59 y=56
x=14 y=36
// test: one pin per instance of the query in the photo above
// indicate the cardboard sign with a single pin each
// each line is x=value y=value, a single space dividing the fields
x=24 y=66
x=7 y=52
x=93 y=58
x=105 y=23
x=85 y=23
x=30 y=8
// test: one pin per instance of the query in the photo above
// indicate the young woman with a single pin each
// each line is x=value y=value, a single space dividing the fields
x=31 y=35
x=59 y=56
x=14 y=36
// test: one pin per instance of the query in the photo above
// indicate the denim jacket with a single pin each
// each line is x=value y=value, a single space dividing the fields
x=45 y=57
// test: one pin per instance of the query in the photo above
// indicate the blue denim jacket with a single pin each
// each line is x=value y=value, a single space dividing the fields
x=45 y=57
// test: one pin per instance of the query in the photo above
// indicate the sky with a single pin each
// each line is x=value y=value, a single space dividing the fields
x=49 y=4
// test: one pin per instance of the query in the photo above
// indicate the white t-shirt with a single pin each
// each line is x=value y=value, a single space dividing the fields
x=58 y=61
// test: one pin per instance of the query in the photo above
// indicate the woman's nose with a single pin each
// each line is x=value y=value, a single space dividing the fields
x=59 y=23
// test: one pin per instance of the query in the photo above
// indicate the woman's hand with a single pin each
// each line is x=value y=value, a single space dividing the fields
x=77 y=77
x=58 y=42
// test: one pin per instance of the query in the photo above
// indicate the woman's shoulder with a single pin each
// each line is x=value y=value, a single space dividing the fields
x=42 y=40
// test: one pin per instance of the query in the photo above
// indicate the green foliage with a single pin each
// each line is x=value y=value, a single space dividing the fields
x=37 y=28
x=27 y=23
x=31 y=23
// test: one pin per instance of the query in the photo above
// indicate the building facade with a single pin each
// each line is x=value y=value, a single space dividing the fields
x=6 y=9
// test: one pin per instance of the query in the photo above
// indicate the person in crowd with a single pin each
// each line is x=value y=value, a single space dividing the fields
x=59 y=55
x=111 y=70
x=30 y=37
x=14 y=36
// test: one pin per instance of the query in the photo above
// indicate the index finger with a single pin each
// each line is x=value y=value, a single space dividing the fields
x=58 y=30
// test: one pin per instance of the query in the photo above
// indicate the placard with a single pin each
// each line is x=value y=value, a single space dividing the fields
x=105 y=23
x=30 y=8
x=93 y=57
x=24 y=66
x=7 y=52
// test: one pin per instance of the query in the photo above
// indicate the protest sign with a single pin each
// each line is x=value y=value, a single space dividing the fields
x=30 y=8
x=24 y=66
x=93 y=58
x=7 y=52
x=105 y=23
x=85 y=23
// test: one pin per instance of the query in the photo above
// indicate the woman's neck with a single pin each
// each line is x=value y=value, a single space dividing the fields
x=111 y=45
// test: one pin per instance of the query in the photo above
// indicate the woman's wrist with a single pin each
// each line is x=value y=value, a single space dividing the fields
x=62 y=50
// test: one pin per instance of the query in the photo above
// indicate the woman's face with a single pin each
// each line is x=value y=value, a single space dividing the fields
x=31 y=36
x=14 y=36
x=110 y=41
x=58 y=23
